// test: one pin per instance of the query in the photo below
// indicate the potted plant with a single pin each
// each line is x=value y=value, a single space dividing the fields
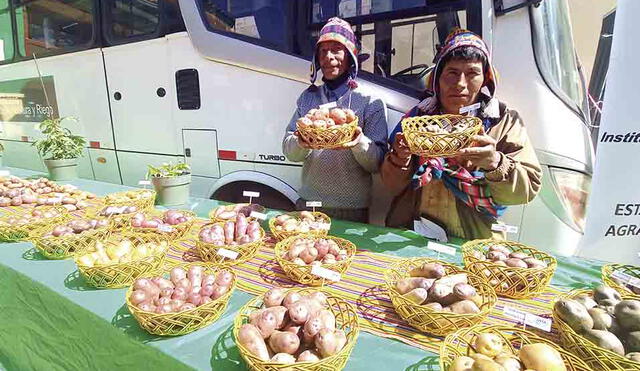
x=60 y=149
x=171 y=183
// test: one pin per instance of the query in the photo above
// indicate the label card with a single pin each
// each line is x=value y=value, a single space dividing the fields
x=504 y=228
x=257 y=215
x=514 y=313
x=5 y=173
x=233 y=255
x=329 y=105
x=440 y=248
x=528 y=319
x=469 y=108
x=250 y=194
x=314 y=204
x=626 y=278
x=144 y=182
x=325 y=273
x=165 y=228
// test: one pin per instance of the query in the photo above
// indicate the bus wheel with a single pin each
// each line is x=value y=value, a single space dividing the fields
x=269 y=197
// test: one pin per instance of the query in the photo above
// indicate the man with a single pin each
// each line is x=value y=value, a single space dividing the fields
x=465 y=194
x=339 y=178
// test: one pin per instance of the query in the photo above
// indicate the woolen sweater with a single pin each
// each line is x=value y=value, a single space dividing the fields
x=340 y=178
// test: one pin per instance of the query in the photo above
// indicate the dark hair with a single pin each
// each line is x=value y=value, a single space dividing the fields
x=465 y=53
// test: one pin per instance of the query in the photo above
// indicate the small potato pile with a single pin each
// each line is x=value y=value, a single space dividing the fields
x=170 y=218
x=491 y=354
x=76 y=227
x=108 y=211
x=430 y=287
x=123 y=251
x=437 y=129
x=292 y=328
x=502 y=255
x=185 y=290
x=322 y=118
x=230 y=212
x=35 y=216
x=604 y=319
x=16 y=192
x=315 y=251
x=306 y=222
x=127 y=197
x=231 y=233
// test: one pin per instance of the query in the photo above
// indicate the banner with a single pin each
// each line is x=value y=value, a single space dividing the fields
x=612 y=231
x=23 y=100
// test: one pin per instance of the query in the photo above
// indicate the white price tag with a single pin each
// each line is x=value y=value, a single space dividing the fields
x=233 y=255
x=314 y=204
x=444 y=249
x=257 y=215
x=469 y=108
x=498 y=227
x=165 y=228
x=514 y=313
x=325 y=273
x=250 y=194
x=144 y=182
x=538 y=322
x=329 y=105
x=626 y=278
x=5 y=173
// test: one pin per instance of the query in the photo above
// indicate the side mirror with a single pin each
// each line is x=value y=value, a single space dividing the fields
x=503 y=7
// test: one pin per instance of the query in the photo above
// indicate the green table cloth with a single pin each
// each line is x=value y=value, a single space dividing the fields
x=51 y=320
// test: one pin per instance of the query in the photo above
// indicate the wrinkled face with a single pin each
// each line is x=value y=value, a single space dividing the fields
x=333 y=58
x=459 y=84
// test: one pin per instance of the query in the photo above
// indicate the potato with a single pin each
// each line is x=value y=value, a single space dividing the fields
x=453 y=279
x=633 y=342
x=516 y=263
x=586 y=300
x=326 y=342
x=299 y=312
x=434 y=306
x=417 y=296
x=574 y=314
x=341 y=339
x=428 y=270
x=269 y=320
x=496 y=256
x=461 y=363
x=605 y=339
x=464 y=307
x=441 y=293
x=316 y=323
x=251 y=338
x=628 y=315
x=273 y=297
x=541 y=357
x=519 y=255
x=602 y=320
x=284 y=342
x=605 y=295
x=408 y=284
x=535 y=263
x=464 y=291
x=283 y=358
x=486 y=365
x=308 y=356
x=634 y=356
x=291 y=298
x=479 y=356
x=318 y=296
x=509 y=361
x=488 y=344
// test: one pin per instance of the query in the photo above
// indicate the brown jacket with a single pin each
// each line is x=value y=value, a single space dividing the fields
x=517 y=180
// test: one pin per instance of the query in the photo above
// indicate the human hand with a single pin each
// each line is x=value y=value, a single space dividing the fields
x=481 y=153
x=301 y=142
x=357 y=136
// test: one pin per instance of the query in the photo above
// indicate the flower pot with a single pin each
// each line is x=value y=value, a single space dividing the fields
x=66 y=169
x=172 y=191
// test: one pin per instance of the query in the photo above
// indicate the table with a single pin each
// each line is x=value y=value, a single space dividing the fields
x=50 y=319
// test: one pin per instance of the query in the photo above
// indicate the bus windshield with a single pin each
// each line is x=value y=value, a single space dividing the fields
x=555 y=54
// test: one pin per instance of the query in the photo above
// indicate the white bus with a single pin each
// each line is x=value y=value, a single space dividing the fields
x=215 y=82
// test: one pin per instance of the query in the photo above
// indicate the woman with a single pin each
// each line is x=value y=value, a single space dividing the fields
x=340 y=178
x=465 y=194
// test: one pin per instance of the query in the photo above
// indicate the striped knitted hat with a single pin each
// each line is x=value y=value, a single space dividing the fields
x=340 y=31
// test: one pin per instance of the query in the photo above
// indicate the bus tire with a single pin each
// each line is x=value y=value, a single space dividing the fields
x=269 y=197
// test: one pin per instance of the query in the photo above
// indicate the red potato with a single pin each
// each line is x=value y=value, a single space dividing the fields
x=142 y=284
x=166 y=292
x=241 y=226
x=405 y=285
x=329 y=259
x=428 y=270
x=339 y=116
x=274 y=297
x=318 y=296
x=291 y=298
x=535 y=263
x=270 y=320
x=224 y=278
x=138 y=296
x=184 y=283
x=326 y=342
x=341 y=339
x=299 y=312
x=283 y=359
x=516 y=263
x=350 y=115
x=180 y=293
x=308 y=356
x=208 y=279
x=284 y=342
x=219 y=291
x=177 y=274
x=207 y=290
x=251 y=338
x=309 y=255
x=322 y=247
x=229 y=231
x=496 y=256
x=518 y=255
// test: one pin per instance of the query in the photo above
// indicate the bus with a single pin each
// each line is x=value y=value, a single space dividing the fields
x=214 y=83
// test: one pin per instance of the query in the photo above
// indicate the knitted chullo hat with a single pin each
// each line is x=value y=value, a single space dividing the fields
x=459 y=38
x=340 y=31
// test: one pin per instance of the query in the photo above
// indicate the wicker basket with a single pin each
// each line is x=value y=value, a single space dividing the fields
x=346 y=320
x=632 y=270
x=209 y=252
x=143 y=199
x=215 y=219
x=424 y=143
x=65 y=247
x=460 y=343
x=328 y=138
x=180 y=323
x=281 y=235
x=302 y=274
x=597 y=358
x=116 y=222
x=123 y=274
x=438 y=323
x=178 y=230
x=515 y=283
x=12 y=233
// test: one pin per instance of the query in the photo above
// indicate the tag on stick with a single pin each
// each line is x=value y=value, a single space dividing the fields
x=257 y=215
x=5 y=173
x=144 y=182
x=251 y=195
x=325 y=273
x=440 y=248
x=469 y=108
x=233 y=255
x=499 y=227
x=314 y=204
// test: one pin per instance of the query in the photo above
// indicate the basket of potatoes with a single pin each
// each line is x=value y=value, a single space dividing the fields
x=515 y=270
x=174 y=224
x=315 y=261
x=437 y=297
x=601 y=327
x=313 y=223
x=65 y=240
x=622 y=277
x=226 y=213
x=16 y=227
x=327 y=129
x=231 y=242
x=439 y=135
x=502 y=348
x=296 y=329
x=142 y=199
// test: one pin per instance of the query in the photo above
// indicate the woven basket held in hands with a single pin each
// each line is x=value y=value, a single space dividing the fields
x=328 y=138
x=428 y=144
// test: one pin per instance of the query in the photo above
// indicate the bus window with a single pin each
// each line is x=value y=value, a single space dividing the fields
x=6 y=32
x=325 y=9
x=265 y=20
x=53 y=26
x=132 y=18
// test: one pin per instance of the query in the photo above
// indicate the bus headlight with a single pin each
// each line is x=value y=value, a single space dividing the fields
x=573 y=189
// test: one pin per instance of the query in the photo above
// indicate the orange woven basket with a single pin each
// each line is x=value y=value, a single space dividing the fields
x=423 y=141
x=328 y=138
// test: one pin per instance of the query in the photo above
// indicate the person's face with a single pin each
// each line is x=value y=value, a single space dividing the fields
x=334 y=59
x=459 y=84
